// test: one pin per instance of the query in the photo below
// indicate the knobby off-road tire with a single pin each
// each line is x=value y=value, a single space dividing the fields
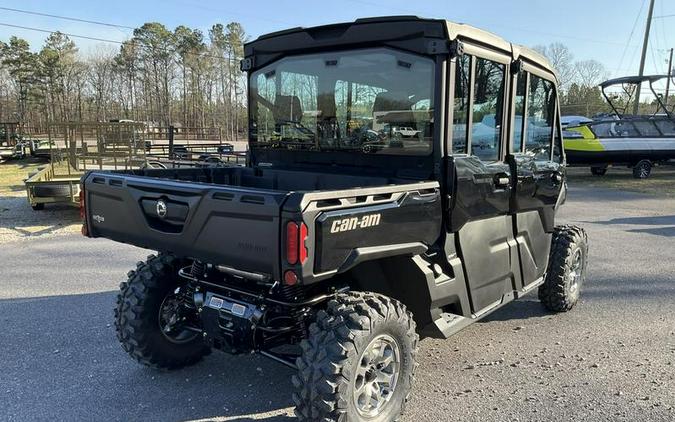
x=137 y=317
x=566 y=269
x=349 y=336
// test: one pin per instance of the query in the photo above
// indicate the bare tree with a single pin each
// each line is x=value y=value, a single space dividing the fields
x=589 y=73
x=561 y=59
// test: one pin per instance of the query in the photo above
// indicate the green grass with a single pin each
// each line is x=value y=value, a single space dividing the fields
x=661 y=182
x=13 y=173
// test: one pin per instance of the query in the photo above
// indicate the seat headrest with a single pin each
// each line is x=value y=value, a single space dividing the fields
x=391 y=101
x=287 y=107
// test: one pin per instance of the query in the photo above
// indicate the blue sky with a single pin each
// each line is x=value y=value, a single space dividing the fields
x=592 y=29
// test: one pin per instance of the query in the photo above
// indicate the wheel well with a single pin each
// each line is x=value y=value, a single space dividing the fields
x=411 y=281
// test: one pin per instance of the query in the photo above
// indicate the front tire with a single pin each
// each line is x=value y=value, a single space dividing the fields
x=358 y=362
x=566 y=272
x=142 y=311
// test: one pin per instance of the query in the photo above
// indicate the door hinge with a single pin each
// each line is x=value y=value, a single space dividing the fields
x=456 y=48
x=516 y=66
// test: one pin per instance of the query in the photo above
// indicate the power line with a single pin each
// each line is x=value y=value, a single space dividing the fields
x=28 y=12
x=132 y=42
x=47 y=31
x=632 y=32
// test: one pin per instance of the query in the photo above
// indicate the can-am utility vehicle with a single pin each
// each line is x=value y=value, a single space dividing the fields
x=332 y=258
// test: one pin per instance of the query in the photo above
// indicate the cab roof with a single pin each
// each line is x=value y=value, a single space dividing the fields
x=385 y=29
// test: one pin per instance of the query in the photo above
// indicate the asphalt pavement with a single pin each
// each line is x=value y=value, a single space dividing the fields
x=610 y=359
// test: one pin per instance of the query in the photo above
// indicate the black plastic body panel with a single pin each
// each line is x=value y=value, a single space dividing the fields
x=421 y=36
x=414 y=217
x=224 y=224
x=241 y=226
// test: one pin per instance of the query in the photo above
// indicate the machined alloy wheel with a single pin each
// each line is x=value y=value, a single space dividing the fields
x=376 y=375
x=566 y=269
x=576 y=272
x=358 y=362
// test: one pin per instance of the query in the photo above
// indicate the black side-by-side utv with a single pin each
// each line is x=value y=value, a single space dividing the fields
x=341 y=241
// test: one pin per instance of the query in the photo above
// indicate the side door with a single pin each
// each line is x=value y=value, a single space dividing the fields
x=536 y=158
x=480 y=178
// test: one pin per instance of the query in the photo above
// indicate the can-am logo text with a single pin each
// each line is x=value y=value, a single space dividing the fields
x=354 y=223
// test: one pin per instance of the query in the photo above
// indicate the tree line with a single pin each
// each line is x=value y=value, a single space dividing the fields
x=181 y=77
x=184 y=77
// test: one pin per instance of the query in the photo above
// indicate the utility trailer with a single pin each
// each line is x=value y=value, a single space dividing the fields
x=76 y=147
x=331 y=258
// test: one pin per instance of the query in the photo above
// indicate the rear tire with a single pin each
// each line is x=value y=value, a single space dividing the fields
x=566 y=269
x=358 y=362
x=137 y=317
x=642 y=169
x=38 y=207
x=598 y=171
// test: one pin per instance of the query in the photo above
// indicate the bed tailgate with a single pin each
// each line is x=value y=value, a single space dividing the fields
x=219 y=224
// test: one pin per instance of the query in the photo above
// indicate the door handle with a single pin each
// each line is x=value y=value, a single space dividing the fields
x=502 y=180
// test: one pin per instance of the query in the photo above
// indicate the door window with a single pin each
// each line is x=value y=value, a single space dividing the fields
x=488 y=102
x=540 y=112
x=521 y=88
x=461 y=105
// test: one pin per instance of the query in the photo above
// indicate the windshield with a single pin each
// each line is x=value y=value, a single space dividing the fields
x=374 y=101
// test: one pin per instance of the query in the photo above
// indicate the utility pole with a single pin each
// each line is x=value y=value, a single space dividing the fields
x=670 y=75
x=644 y=54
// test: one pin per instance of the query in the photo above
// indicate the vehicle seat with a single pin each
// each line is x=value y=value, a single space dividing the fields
x=394 y=101
x=287 y=108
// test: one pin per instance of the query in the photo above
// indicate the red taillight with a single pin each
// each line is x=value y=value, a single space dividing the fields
x=290 y=278
x=302 y=246
x=292 y=243
x=296 y=251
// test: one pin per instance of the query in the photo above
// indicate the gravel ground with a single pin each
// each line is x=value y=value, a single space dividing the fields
x=611 y=359
x=18 y=221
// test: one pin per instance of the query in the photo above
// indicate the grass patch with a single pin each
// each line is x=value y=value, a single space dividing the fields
x=13 y=173
x=661 y=182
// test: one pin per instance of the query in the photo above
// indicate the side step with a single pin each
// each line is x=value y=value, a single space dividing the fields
x=448 y=324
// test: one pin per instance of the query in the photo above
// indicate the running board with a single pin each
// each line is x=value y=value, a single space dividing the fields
x=448 y=324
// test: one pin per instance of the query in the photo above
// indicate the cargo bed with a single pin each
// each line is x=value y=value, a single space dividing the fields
x=224 y=216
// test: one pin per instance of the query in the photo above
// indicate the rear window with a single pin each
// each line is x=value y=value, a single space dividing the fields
x=374 y=101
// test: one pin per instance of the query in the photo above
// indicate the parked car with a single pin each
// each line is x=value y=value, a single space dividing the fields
x=405 y=131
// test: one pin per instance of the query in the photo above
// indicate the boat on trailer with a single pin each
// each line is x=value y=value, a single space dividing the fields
x=636 y=141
